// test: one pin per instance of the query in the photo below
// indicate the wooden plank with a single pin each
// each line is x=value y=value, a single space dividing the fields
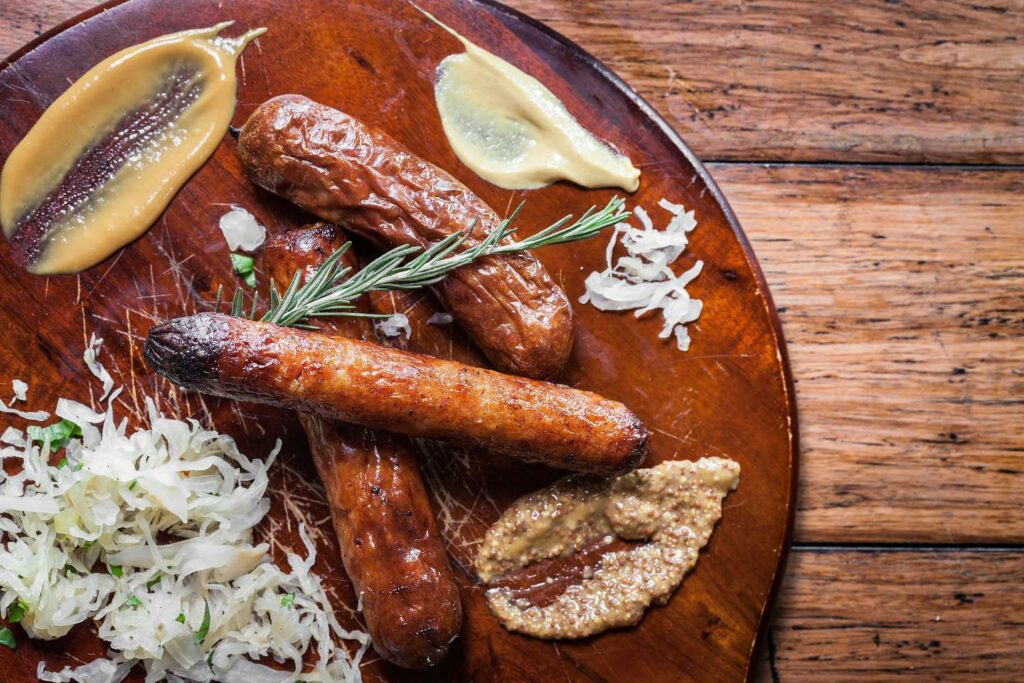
x=927 y=81
x=856 y=615
x=20 y=22
x=923 y=81
x=902 y=298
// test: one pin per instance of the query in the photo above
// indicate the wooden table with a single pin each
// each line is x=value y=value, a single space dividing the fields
x=874 y=153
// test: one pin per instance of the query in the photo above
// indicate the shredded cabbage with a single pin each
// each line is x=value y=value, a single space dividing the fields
x=98 y=371
x=20 y=394
x=241 y=230
x=150 y=535
x=396 y=325
x=642 y=280
x=20 y=390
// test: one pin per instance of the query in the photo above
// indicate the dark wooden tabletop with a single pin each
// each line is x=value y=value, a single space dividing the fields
x=874 y=153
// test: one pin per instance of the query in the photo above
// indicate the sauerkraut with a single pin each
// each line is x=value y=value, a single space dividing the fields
x=395 y=326
x=241 y=230
x=642 y=280
x=150 y=534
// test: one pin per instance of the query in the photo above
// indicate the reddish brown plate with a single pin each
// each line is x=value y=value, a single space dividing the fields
x=729 y=395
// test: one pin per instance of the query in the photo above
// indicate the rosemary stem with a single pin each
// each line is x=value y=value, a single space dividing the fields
x=334 y=289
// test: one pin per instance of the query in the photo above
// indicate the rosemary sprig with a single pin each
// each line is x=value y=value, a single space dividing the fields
x=334 y=289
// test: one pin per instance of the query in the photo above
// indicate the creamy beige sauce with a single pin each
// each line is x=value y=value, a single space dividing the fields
x=672 y=508
x=155 y=163
x=512 y=131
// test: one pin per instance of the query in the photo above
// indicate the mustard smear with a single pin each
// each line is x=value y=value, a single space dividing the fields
x=512 y=131
x=108 y=155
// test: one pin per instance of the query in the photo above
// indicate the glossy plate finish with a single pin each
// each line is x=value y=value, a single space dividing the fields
x=729 y=395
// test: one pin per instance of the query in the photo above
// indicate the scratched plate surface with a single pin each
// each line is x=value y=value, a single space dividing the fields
x=729 y=395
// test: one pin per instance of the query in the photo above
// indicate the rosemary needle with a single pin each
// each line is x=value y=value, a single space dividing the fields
x=334 y=289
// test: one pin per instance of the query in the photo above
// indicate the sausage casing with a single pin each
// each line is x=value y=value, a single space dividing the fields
x=389 y=541
x=343 y=171
x=377 y=387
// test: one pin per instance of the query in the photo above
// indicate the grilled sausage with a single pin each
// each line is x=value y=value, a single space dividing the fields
x=377 y=387
x=386 y=531
x=343 y=171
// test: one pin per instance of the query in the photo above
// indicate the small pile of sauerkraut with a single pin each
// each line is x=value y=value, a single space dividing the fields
x=150 y=535
x=242 y=230
x=642 y=280
x=395 y=326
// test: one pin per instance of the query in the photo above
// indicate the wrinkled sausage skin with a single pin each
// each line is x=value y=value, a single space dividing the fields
x=406 y=393
x=387 y=533
x=343 y=171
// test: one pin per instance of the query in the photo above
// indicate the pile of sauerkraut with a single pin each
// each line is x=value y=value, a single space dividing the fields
x=150 y=534
x=642 y=279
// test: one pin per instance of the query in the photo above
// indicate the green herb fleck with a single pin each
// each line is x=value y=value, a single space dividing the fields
x=88 y=544
x=132 y=601
x=70 y=571
x=243 y=266
x=204 y=628
x=180 y=618
x=154 y=581
x=287 y=600
x=7 y=638
x=132 y=486
x=116 y=570
x=17 y=611
x=59 y=434
x=63 y=463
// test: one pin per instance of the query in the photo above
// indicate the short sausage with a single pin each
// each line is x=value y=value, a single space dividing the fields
x=343 y=171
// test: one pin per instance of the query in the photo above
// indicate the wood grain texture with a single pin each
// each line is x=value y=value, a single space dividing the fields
x=901 y=293
x=20 y=21
x=884 y=80
x=847 y=616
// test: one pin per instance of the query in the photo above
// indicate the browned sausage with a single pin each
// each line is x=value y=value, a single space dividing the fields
x=387 y=533
x=402 y=392
x=346 y=172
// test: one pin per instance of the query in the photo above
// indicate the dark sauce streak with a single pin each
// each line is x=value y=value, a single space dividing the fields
x=180 y=88
x=531 y=583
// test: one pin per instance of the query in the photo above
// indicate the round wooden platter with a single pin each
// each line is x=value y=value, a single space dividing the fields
x=730 y=395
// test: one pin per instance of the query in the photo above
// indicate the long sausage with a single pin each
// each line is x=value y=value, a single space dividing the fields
x=377 y=387
x=343 y=171
x=386 y=531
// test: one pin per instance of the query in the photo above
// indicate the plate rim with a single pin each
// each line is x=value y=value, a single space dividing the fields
x=620 y=85
x=748 y=251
